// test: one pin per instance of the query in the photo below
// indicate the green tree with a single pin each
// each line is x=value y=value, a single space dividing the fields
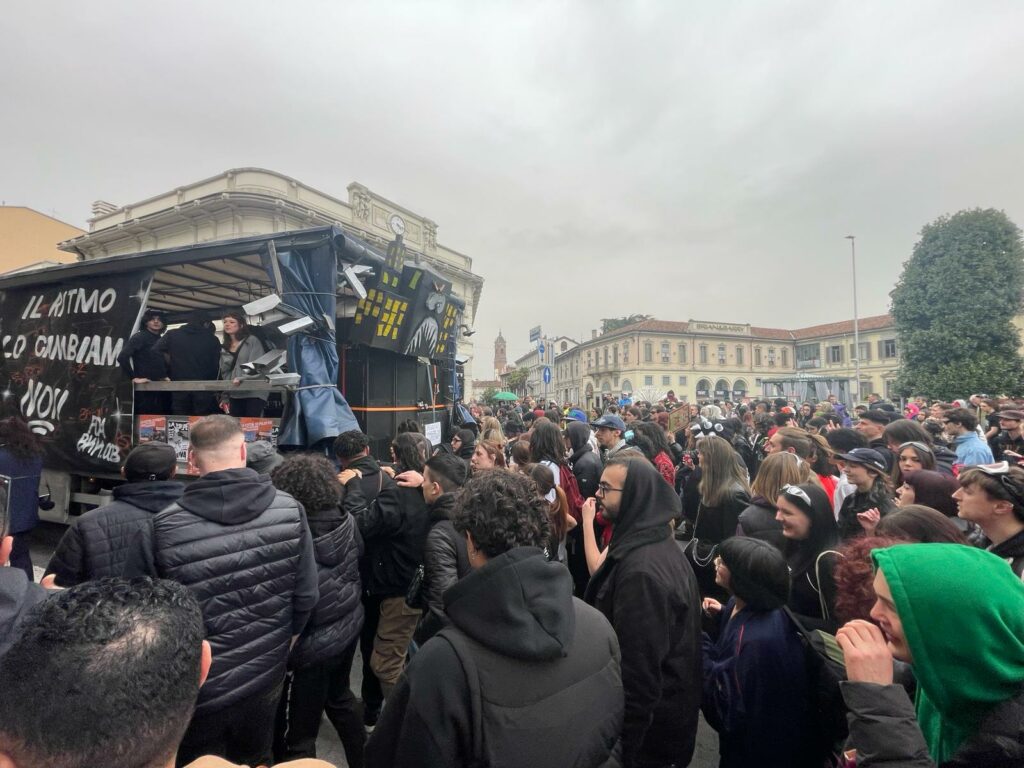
x=954 y=307
x=609 y=324
x=517 y=378
x=487 y=396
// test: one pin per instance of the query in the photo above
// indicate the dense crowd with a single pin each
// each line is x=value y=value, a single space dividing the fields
x=547 y=587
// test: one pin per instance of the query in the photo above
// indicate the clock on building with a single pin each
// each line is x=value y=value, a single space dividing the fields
x=397 y=224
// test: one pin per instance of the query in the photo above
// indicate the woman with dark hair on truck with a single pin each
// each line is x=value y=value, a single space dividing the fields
x=21 y=461
x=240 y=347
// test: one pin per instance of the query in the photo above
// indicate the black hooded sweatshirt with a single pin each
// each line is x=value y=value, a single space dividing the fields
x=648 y=591
x=547 y=663
x=245 y=550
x=193 y=350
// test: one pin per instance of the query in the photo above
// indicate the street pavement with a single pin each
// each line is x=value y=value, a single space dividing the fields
x=44 y=541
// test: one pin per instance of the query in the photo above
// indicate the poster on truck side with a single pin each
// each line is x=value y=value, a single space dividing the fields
x=59 y=344
x=174 y=430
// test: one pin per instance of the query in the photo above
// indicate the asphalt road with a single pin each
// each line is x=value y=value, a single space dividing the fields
x=46 y=536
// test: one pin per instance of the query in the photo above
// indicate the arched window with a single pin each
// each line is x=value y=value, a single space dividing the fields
x=740 y=385
x=703 y=388
x=722 y=386
x=627 y=385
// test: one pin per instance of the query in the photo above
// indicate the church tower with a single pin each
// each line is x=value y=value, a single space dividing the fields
x=500 y=360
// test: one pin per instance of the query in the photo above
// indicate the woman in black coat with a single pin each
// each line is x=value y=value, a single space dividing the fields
x=21 y=461
x=321 y=660
x=809 y=526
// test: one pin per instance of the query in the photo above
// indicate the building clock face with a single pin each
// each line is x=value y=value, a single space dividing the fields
x=397 y=224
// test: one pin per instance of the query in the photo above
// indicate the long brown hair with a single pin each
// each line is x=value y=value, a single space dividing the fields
x=720 y=471
x=243 y=328
x=558 y=509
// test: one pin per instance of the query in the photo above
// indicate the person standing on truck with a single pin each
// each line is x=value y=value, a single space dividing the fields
x=193 y=354
x=142 y=363
x=98 y=545
x=240 y=347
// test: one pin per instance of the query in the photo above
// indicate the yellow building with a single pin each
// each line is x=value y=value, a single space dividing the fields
x=702 y=360
x=28 y=237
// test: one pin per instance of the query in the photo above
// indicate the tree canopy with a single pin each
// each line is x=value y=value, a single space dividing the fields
x=954 y=307
x=609 y=324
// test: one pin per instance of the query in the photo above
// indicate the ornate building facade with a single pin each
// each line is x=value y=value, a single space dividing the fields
x=702 y=360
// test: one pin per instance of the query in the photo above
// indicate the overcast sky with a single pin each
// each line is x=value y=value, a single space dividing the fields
x=595 y=159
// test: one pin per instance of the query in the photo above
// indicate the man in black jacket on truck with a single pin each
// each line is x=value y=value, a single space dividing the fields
x=245 y=550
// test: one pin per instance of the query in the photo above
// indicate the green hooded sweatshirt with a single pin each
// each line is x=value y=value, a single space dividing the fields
x=962 y=611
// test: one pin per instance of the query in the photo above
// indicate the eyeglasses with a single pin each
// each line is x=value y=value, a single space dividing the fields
x=800 y=493
x=1009 y=483
x=917 y=446
x=604 y=488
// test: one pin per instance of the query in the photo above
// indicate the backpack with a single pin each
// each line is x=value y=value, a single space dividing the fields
x=826 y=720
x=571 y=488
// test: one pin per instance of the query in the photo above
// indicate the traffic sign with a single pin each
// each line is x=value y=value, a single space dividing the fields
x=547 y=373
x=541 y=348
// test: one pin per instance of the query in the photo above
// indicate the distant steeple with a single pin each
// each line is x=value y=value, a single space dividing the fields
x=500 y=358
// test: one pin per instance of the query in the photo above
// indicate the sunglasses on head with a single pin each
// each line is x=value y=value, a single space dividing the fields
x=798 y=492
x=1009 y=483
x=917 y=446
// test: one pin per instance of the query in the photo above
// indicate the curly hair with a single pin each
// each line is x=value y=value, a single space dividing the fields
x=350 y=444
x=412 y=449
x=854 y=577
x=311 y=479
x=113 y=656
x=502 y=511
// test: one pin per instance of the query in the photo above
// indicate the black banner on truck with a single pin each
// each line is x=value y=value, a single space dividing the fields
x=59 y=345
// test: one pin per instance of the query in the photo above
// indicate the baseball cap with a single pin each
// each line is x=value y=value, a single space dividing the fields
x=611 y=421
x=150 y=461
x=261 y=456
x=575 y=414
x=869 y=457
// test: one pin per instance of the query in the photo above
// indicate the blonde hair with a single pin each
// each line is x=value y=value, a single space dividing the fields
x=490 y=429
x=779 y=469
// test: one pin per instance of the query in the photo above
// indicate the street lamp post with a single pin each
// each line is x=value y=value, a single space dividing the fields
x=856 y=329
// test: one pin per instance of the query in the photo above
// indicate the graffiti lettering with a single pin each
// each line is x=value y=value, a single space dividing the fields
x=42 y=401
x=92 y=350
x=13 y=351
x=94 y=443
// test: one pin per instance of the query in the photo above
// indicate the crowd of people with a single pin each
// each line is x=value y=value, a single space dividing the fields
x=547 y=587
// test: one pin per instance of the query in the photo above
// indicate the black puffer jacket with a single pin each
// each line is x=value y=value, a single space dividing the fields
x=884 y=730
x=246 y=552
x=394 y=527
x=445 y=561
x=338 y=615
x=98 y=545
x=758 y=522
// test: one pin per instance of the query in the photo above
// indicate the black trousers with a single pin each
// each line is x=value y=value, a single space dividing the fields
x=308 y=694
x=152 y=403
x=246 y=406
x=242 y=733
x=373 y=696
x=193 y=404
